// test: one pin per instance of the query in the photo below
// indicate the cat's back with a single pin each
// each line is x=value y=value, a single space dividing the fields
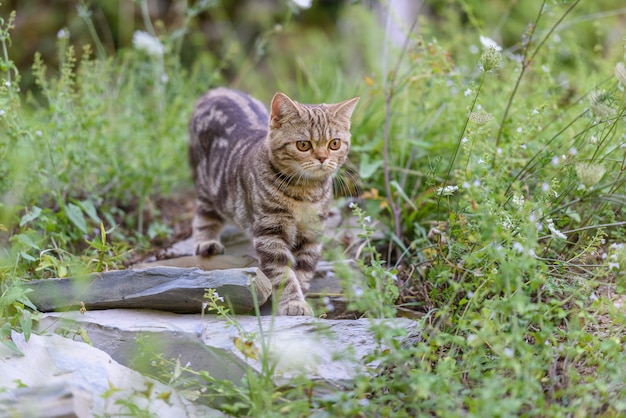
x=223 y=118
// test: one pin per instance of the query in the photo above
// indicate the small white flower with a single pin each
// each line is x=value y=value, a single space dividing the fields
x=466 y=185
x=518 y=201
x=352 y=205
x=519 y=129
x=474 y=49
x=467 y=92
x=593 y=297
x=573 y=151
x=613 y=266
x=143 y=41
x=499 y=150
x=535 y=112
x=532 y=253
x=7 y=83
x=479 y=106
x=303 y=4
x=508 y=352
x=481 y=161
x=38 y=133
x=555 y=160
x=368 y=219
x=545 y=68
x=488 y=42
x=164 y=78
x=470 y=294
x=555 y=232
x=593 y=139
x=358 y=291
x=63 y=34
x=477 y=183
x=519 y=248
x=523 y=146
x=545 y=187
x=447 y=191
x=471 y=338
x=1 y=112
x=464 y=140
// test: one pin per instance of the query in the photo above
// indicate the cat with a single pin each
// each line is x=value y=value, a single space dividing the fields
x=270 y=175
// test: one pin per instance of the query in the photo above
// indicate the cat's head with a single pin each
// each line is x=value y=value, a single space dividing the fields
x=309 y=142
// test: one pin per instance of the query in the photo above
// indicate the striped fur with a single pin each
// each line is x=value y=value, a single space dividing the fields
x=252 y=169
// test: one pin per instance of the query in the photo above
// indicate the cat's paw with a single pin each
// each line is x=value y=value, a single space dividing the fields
x=295 y=308
x=209 y=248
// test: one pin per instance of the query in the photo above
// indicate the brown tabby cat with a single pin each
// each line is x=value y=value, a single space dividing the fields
x=270 y=176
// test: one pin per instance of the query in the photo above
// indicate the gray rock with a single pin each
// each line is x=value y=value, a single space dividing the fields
x=59 y=377
x=170 y=289
x=327 y=350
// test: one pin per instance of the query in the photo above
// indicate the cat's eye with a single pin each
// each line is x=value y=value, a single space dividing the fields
x=335 y=144
x=303 y=145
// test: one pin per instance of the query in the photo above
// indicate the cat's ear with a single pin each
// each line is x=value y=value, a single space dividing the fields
x=282 y=108
x=344 y=109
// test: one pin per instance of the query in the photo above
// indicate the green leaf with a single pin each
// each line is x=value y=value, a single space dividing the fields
x=404 y=196
x=75 y=215
x=26 y=323
x=5 y=339
x=27 y=241
x=30 y=215
x=90 y=209
x=367 y=168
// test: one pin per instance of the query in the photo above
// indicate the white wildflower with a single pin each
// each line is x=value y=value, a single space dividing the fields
x=7 y=83
x=518 y=201
x=470 y=294
x=593 y=139
x=352 y=205
x=466 y=185
x=368 y=219
x=464 y=140
x=573 y=151
x=63 y=34
x=555 y=232
x=545 y=68
x=467 y=92
x=38 y=133
x=474 y=49
x=555 y=160
x=477 y=183
x=620 y=73
x=523 y=146
x=143 y=41
x=1 y=112
x=519 y=129
x=490 y=43
x=508 y=352
x=471 y=338
x=532 y=253
x=613 y=266
x=499 y=150
x=519 y=248
x=589 y=174
x=535 y=112
x=593 y=297
x=303 y=4
x=545 y=187
x=447 y=191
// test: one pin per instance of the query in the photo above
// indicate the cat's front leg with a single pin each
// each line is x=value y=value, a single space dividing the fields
x=206 y=226
x=277 y=262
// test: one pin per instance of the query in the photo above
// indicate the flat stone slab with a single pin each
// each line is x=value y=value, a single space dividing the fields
x=326 y=350
x=172 y=289
x=58 y=377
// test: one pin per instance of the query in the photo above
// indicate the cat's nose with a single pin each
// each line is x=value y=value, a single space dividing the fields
x=321 y=159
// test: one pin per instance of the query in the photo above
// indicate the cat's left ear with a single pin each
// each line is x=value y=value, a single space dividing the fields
x=344 y=109
x=282 y=108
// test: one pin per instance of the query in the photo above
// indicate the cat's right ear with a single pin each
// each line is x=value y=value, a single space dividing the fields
x=281 y=108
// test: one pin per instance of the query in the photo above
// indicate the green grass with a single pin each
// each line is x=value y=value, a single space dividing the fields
x=503 y=192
